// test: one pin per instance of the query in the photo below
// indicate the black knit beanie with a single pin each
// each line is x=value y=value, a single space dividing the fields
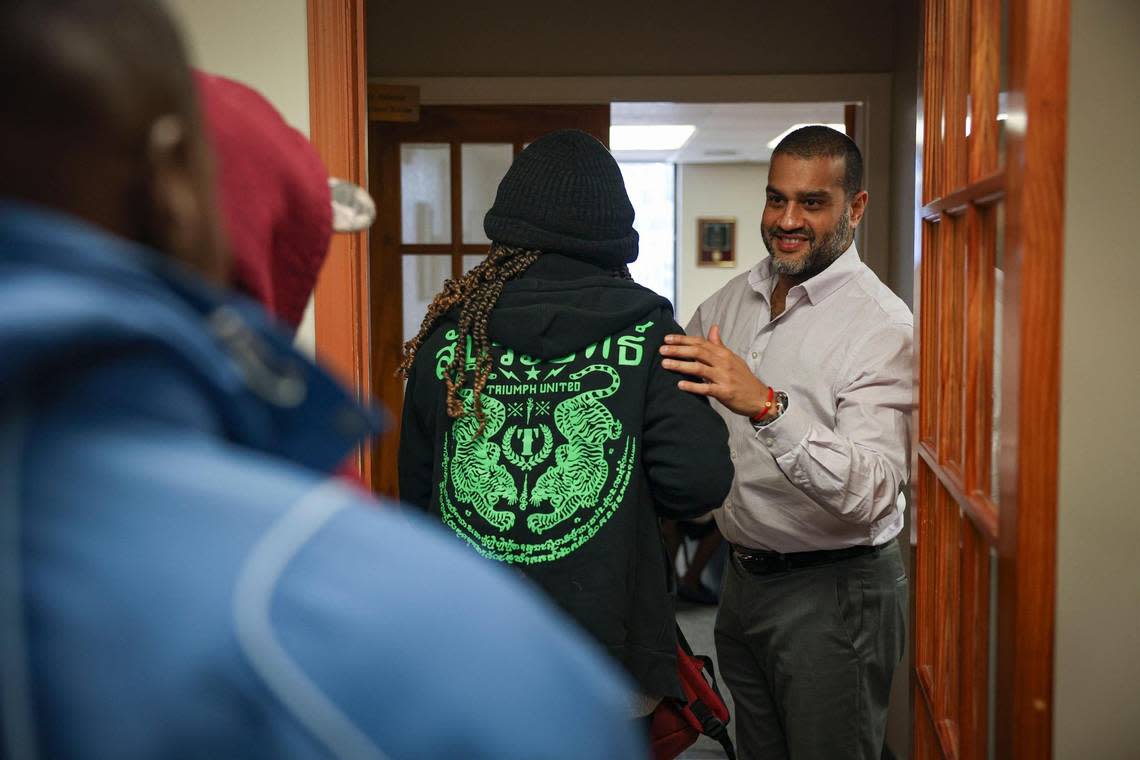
x=565 y=194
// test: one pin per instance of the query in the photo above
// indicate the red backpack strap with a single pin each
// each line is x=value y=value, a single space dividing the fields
x=710 y=725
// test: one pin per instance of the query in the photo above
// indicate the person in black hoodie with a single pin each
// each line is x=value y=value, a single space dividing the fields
x=538 y=422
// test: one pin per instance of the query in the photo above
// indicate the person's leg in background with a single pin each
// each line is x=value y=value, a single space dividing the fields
x=709 y=540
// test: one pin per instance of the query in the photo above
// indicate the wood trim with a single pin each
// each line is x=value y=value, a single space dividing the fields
x=420 y=249
x=337 y=109
x=982 y=192
x=947 y=605
x=927 y=316
x=1039 y=63
x=925 y=681
x=387 y=310
x=443 y=249
x=982 y=222
x=932 y=94
x=479 y=123
x=972 y=704
x=456 y=208
x=981 y=511
x=948 y=738
x=985 y=73
x=957 y=77
x=944 y=730
x=951 y=325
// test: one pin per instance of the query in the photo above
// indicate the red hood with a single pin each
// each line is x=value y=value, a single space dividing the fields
x=274 y=196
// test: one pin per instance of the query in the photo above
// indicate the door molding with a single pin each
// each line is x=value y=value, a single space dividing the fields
x=338 y=111
x=1027 y=546
x=965 y=183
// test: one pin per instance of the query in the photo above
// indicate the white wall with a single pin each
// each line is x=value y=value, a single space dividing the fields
x=716 y=190
x=1097 y=657
x=263 y=43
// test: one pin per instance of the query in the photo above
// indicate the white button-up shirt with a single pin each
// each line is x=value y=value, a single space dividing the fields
x=827 y=473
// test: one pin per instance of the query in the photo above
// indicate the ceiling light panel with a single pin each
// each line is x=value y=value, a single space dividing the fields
x=650 y=136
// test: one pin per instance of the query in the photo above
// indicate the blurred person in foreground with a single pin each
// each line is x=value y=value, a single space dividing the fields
x=180 y=577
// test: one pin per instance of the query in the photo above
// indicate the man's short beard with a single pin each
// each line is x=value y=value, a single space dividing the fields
x=820 y=256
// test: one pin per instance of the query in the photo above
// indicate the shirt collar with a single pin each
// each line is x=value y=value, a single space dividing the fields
x=762 y=279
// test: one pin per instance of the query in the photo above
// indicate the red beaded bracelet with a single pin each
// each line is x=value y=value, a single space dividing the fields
x=767 y=406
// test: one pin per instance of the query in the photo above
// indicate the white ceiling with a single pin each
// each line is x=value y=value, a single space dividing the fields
x=726 y=132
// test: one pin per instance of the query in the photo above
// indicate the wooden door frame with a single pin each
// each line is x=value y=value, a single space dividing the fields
x=1031 y=377
x=338 y=110
x=1026 y=522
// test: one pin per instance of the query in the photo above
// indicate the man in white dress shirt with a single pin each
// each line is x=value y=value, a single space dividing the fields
x=808 y=359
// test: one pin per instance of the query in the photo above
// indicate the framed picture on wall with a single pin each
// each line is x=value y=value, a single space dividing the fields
x=716 y=241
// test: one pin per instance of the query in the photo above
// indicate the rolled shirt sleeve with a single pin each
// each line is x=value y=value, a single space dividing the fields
x=854 y=469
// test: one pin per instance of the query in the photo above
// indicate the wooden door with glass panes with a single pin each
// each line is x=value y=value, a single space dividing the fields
x=988 y=340
x=433 y=180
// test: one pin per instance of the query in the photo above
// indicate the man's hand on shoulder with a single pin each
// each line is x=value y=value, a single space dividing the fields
x=726 y=376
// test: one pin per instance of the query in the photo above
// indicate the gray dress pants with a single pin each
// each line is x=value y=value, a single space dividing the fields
x=809 y=653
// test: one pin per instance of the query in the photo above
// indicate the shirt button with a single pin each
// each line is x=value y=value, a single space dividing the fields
x=754 y=354
x=732 y=454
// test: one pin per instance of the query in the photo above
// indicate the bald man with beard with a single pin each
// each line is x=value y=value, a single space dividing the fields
x=179 y=575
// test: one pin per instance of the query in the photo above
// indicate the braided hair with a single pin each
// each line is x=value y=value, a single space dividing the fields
x=476 y=294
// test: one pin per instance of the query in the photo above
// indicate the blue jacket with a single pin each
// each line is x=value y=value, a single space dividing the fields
x=180 y=576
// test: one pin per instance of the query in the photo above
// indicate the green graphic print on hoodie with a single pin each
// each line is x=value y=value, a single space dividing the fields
x=586 y=441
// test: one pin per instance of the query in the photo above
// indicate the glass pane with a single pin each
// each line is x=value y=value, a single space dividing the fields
x=425 y=193
x=652 y=192
x=470 y=261
x=483 y=167
x=999 y=279
x=424 y=276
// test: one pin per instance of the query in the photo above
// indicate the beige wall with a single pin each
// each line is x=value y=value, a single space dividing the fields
x=602 y=37
x=263 y=43
x=1097 y=658
x=900 y=278
x=903 y=123
x=735 y=190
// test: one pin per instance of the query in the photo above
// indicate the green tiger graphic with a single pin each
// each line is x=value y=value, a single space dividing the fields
x=580 y=470
x=476 y=473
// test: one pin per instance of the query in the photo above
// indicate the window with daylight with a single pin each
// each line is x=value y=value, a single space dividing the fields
x=651 y=188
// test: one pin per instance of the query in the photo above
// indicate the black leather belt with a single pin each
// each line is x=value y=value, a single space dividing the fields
x=760 y=562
